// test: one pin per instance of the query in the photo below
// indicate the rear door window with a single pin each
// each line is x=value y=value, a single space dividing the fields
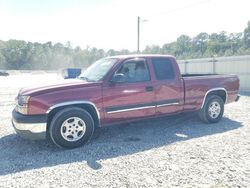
x=163 y=68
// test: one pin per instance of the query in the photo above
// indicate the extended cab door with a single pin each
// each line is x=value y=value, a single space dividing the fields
x=132 y=96
x=168 y=85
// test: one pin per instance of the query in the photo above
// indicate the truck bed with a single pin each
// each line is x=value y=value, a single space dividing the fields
x=197 y=85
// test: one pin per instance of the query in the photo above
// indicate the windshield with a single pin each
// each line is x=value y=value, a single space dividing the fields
x=98 y=70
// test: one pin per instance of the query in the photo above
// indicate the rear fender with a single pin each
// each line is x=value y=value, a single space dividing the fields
x=214 y=90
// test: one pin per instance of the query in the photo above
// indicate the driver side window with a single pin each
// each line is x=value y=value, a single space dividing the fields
x=134 y=71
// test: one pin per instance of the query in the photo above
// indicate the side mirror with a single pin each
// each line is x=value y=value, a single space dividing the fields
x=118 y=78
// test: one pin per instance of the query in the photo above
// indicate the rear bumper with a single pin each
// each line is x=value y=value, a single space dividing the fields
x=30 y=126
x=237 y=98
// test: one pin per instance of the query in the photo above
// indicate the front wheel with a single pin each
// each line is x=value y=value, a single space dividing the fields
x=71 y=127
x=212 y=110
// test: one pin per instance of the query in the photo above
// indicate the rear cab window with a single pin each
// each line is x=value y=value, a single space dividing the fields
x=163 y=68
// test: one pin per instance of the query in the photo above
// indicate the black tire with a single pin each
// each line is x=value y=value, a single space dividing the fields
x=56 y=129
x=204 y=113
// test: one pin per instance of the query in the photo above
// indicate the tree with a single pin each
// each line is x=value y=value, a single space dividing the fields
x=247 y=36
x=153 y=49
x=235 y=41
x=15 y=52
x=124 y=52
x=2 y=58
x=183 y=45
x=200 y=43
x=18 y=54
x=169 y=48
x=111 y=52
x=2 y=61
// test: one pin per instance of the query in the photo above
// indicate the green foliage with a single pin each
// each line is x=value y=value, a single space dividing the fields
x=205 y=45
x=247 y=36
x=17 y=54
x=154 y=49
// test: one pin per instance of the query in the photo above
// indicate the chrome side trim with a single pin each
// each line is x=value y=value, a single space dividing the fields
x=72 y=103
x=214 y=89
x=169 y=104
x=130 y=109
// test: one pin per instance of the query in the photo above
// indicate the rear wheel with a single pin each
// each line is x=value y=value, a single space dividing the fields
x=212 y=110
x=71 y=127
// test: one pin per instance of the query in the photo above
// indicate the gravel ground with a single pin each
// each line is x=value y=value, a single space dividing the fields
x=169 y=152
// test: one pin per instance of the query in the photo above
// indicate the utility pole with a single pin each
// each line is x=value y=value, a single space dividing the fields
x=138 y=34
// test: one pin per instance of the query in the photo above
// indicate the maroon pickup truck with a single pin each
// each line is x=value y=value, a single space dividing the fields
x=119 y=89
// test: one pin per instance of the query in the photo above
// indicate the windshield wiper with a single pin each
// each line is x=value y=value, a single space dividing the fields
x=86 y=78
x=83 y=78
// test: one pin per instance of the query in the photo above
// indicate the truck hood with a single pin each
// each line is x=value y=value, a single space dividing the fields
x=61 y=85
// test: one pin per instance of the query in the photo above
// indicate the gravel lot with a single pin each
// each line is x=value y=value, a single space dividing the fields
x=169 y=152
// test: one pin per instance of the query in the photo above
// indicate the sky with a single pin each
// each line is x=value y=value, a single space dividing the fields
x=112 y=24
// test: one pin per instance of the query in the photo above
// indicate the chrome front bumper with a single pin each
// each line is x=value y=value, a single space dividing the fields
x=31 y=127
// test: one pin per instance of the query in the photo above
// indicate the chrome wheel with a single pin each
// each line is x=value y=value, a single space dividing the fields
x=214 y=109
x=73 y=129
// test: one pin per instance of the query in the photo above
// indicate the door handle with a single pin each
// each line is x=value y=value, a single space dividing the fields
x=149 y=88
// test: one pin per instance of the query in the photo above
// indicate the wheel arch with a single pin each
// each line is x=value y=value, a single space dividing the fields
x=86 y=105
x=221 y=92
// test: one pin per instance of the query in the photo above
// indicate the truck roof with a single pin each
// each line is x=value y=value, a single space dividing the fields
x=139 y=55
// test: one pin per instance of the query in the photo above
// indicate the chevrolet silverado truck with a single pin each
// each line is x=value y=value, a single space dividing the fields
x=119 y=89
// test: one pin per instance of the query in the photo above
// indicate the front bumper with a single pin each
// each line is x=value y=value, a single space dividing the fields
x=30 y=126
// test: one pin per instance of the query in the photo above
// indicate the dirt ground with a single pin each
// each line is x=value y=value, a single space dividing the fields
x=180 y=151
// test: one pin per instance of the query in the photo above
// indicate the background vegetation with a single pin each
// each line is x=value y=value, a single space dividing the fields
x=18 y=54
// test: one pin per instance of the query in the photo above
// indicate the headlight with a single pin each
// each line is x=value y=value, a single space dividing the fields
x=22 y=100
x=22 y=104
